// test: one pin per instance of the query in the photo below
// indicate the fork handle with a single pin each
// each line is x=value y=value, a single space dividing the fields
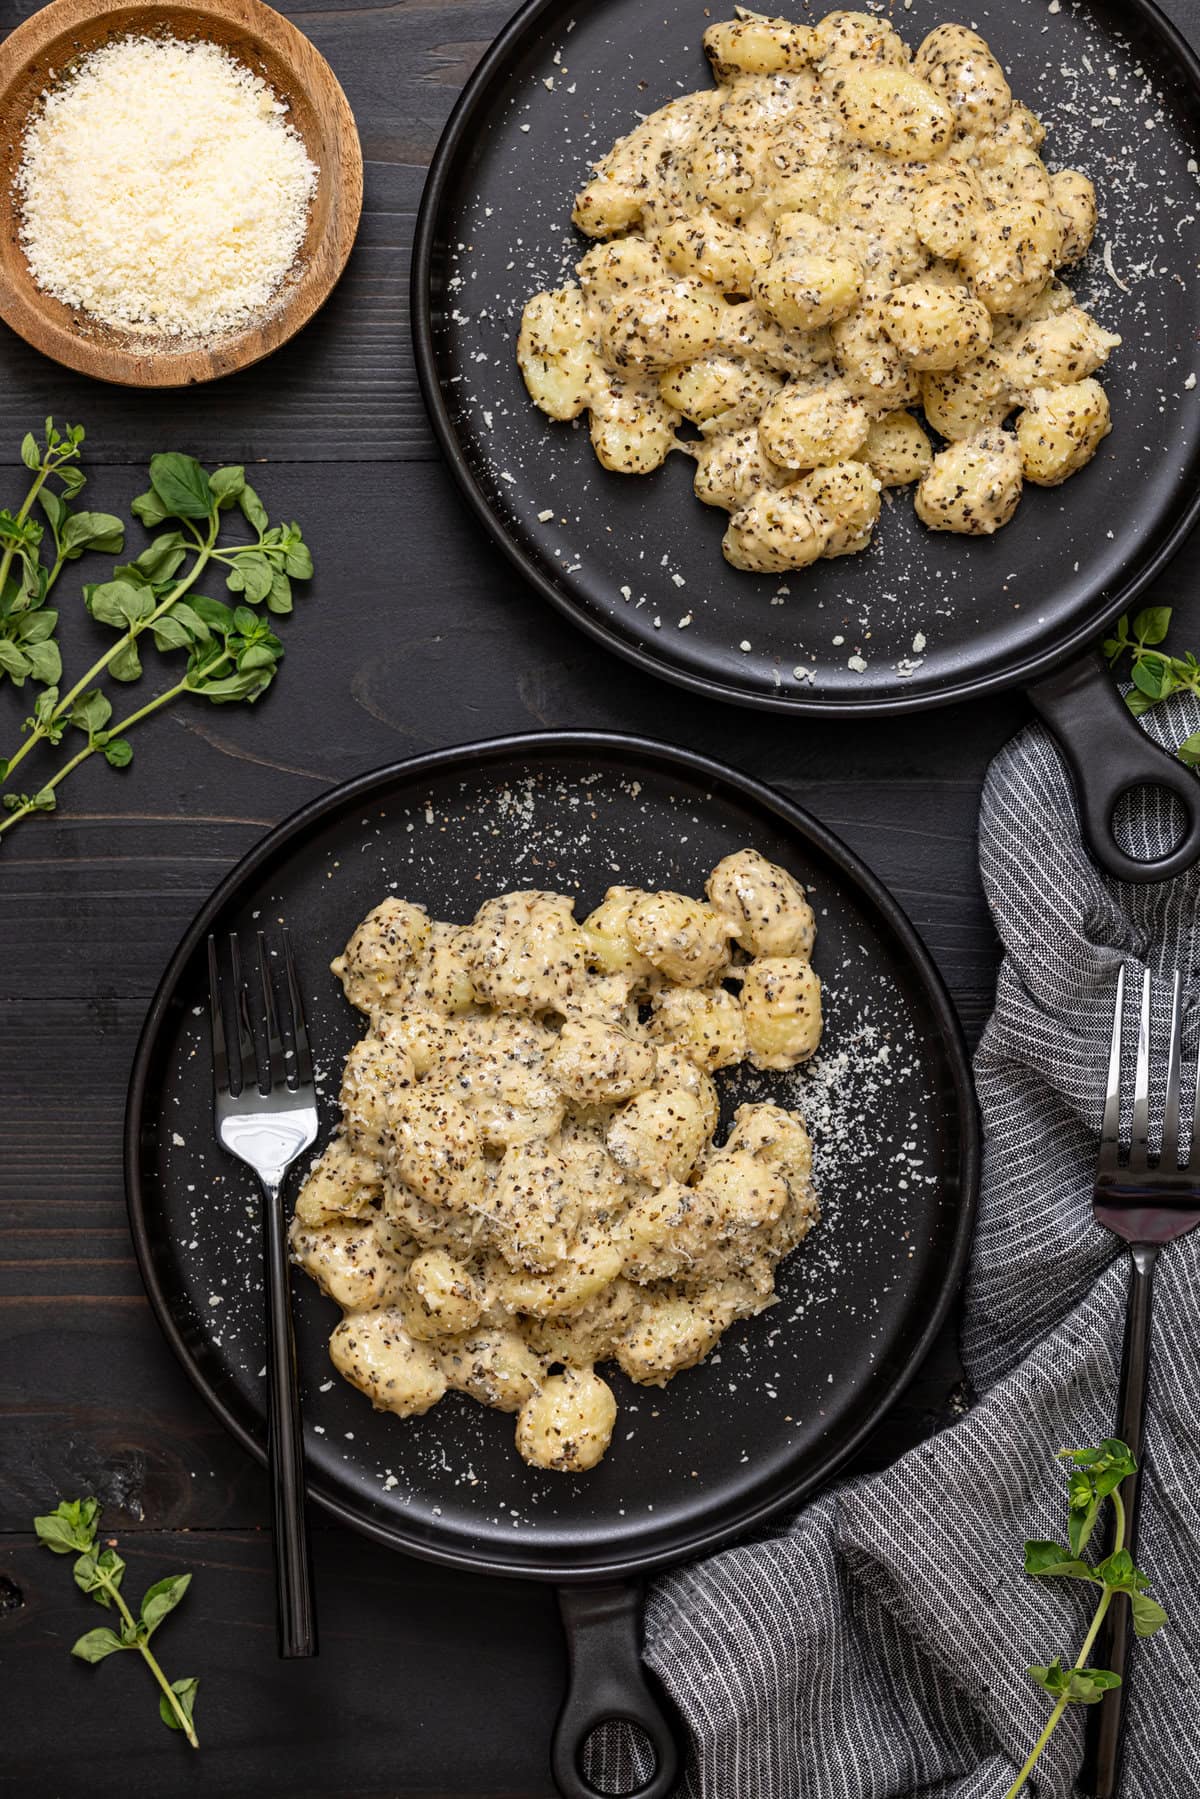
x=295 y=1617
x=1102 y=1762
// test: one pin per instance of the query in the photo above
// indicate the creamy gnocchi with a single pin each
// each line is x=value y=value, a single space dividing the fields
x=838 y=236
x=526 y=1181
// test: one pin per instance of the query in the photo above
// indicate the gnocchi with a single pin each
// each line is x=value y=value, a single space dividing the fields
x=525 y=1184
x=837 y=232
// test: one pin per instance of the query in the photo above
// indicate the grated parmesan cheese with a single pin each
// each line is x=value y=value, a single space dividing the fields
x=162 y=189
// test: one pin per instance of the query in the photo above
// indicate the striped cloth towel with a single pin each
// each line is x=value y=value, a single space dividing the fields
x=875 y=1647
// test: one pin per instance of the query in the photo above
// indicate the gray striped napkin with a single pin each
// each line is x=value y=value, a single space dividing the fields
x=875 y=1646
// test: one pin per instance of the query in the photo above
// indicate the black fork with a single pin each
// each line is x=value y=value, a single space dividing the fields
x=265 y=1112
x=1147 y=1201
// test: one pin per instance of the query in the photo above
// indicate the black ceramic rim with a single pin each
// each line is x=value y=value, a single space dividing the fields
x=544 y=745
x=464 y=123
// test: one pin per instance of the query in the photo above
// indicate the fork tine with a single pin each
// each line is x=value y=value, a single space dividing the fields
x=304 y=1069
x=1110 y=1130
x=1169 y=1154
x=245 y=1029
x=1139 y=1137
x=276 y=1063
x=220 y=1054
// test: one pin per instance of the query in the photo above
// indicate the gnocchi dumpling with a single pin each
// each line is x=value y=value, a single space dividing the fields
x=972 y=487
x=704 y=1024
x=776 y=531
x=568 y=1423
x=1060 y=431
x=805 y=427
x=374 y=1352
x=897 y=450
x=765 y=907
x=372 y=966
x=781 y=1004
x=685 y=939
x=555 y=353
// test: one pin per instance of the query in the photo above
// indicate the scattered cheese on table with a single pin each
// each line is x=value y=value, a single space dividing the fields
x=162 y=189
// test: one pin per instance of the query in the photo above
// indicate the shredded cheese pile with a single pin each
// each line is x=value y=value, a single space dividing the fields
x=163 y=190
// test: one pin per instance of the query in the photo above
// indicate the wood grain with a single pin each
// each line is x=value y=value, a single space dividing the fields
x=46 y=44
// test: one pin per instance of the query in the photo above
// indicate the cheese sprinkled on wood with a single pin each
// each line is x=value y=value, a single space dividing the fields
x=163 y=190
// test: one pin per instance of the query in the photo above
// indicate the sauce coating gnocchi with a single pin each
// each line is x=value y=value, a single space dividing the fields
x=837 y=231
x=526 y=1181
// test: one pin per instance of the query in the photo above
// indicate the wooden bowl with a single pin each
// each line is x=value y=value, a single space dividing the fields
x=37 y=55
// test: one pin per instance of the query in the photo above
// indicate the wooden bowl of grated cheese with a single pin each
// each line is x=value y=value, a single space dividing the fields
x=180 y=186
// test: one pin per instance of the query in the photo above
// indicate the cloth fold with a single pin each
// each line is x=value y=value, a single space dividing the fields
x=876 y=1646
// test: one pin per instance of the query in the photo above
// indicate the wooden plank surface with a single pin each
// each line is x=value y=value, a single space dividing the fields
x=413 y=635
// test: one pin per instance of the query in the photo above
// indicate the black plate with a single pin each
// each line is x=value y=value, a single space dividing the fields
x=789 y=1395
x=1119 y=90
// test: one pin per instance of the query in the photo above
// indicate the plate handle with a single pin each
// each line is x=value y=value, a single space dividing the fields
x=607 y=1683
x=1108 y=753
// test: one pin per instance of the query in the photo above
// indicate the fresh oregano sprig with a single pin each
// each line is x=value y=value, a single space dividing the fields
x=71 y=1529
x=231 y=654
x=27 y=623
x=1155 y=674
x=1096 y=1475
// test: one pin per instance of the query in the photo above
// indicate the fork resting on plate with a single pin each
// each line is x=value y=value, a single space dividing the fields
x=266 y=1115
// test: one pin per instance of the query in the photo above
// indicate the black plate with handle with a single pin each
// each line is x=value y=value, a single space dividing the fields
x=921 y=619
x=787 y=1397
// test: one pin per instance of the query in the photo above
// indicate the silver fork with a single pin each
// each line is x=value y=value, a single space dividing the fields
x=1147 y=1204
x=266 y=1115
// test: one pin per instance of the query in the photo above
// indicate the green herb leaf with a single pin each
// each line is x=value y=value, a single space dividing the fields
x=70 y=1529
x=90 y=531
x=1151 y=676
x=98 y=1643
x=162 y=1598
x=14 y=662
x=253 y=510
x=162 y=556
x=1050 y=1559
x=91 y=712
x=215 y=613
x=279 y=600
x=1117 y=1570
x=1189 y=750
x=126 y=665
x=227 y=484
x=1152 y=625
x=185 y=1691
x=1082 y=1686
x=182 y=486
x=149 y=509
x=35 y=627
x=1148 y=1614
x=45 y=661
x=117 y=752
x=31 y=455
x=98 y=1574
x=120 y=603
x=171 y=633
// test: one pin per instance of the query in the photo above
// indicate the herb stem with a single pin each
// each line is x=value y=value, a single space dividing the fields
x=92 y=746
x=43 y=729
x=185 y=1724
x=1060 y=1707
x=39 y=482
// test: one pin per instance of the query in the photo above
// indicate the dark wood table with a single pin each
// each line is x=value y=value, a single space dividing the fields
x=413 y=635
